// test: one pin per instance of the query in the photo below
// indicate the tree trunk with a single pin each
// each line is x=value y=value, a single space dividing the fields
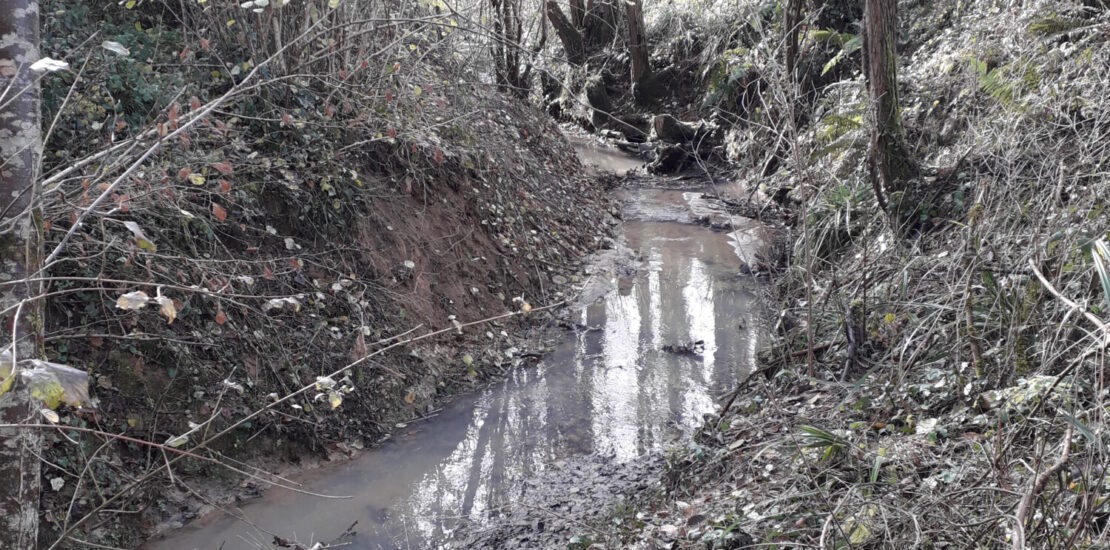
x=526 y=76
x=671 y=130
x=573 y=44
x=577 y=12
x=637 y=42
x=497 y=48
x=891 y=166
x=600 y=24
x=793 y=27
x=20 y=258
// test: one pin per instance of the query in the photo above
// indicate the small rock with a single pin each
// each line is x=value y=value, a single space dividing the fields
x=669 y=532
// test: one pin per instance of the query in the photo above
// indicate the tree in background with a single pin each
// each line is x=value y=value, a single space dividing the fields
x=637 y=47
x=574 y=46
x=890 y=162
x=590 y=27
x=793 y=26
x=514 y=74
x=20 y=259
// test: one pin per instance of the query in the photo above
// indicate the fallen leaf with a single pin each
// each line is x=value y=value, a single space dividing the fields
x=133 y=300
x=223 y=167
x=166 y=308
x=115 y=47
x=140 y=239
x=177 y=441
x=219 y=212
x=47 y=64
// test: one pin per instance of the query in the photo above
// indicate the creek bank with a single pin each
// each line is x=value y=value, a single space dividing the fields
x=310 y=265
x=526 y=461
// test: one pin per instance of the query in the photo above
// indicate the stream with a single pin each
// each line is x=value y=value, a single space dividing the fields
x=603 y=400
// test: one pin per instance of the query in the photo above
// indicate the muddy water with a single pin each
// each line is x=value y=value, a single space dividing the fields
x=595 y=155
x=607 y=390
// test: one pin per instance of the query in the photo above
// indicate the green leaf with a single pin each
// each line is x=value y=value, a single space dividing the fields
x=1081 y=427
x=875 y=469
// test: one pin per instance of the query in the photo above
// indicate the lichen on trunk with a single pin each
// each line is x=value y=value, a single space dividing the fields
x=20 y=259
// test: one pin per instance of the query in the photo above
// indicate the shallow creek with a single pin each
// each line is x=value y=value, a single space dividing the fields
x=608 y=391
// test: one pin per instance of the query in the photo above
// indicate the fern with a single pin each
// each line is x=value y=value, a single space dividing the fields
x=1005 y=83
x=848 y=46
x=1053 y=24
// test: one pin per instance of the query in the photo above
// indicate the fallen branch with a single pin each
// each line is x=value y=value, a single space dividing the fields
x=1026 y=505
x=1052 y=289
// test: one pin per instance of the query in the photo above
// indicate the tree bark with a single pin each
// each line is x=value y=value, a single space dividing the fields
x=573 y=43
x=20 y=257
x=577 y=13
x=891 y=165
x=671 y=130
x=637 y=41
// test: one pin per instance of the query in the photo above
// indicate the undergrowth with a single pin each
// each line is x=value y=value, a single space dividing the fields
x=302 y=185
x=954 y=367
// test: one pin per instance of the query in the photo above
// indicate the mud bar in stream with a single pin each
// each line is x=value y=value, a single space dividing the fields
x=525 y=461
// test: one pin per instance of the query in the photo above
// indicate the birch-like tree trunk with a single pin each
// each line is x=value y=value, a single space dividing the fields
x=20 y=256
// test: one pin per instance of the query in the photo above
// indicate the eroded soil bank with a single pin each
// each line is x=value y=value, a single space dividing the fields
x=661 y=324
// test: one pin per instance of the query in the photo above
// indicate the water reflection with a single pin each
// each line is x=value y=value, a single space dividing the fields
x=607 y=389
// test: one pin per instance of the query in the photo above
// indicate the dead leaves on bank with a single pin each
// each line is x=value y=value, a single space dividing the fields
x=137 y=300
